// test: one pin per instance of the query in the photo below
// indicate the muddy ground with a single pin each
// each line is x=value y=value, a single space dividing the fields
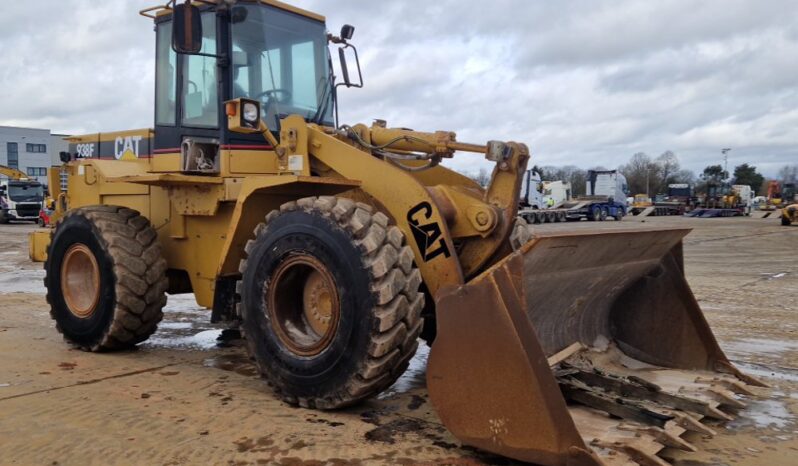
x=183 y=399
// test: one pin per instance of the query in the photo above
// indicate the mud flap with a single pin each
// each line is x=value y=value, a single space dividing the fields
x=620 y=293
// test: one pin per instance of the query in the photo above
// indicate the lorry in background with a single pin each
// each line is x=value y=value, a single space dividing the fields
x=744 y=197
x=606 y=197
x=724 y=200
x=20 y=197
x=556 y=191
x=531 y=197
x=678 y=200
x=538 y=194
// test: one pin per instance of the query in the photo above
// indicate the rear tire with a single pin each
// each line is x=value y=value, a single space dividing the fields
x=595 y=214
x=330 y=302
x=785 y=221
x=105 y=278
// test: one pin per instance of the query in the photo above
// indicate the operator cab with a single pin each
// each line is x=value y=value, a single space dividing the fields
x=256 y=50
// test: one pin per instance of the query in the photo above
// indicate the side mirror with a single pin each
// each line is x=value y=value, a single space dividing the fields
x=186 y=28
x=347 y=31
x=347 y=81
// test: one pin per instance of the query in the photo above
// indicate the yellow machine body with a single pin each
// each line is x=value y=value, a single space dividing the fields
x=789 y=215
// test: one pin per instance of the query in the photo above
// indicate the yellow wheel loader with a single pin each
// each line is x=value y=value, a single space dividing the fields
x=789 y=215
x=335 y=247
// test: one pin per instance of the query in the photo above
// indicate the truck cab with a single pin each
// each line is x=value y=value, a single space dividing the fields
x=531 y=196
x=607 y=183
x=20 y=200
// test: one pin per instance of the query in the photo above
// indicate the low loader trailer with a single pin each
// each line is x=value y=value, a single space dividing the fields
x=606 y=198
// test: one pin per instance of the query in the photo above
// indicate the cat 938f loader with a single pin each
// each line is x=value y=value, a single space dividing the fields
x=335 y=247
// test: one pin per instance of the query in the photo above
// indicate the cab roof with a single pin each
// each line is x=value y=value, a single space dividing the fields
x=163 y=10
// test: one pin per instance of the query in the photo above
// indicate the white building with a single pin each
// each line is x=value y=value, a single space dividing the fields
x=30 y=150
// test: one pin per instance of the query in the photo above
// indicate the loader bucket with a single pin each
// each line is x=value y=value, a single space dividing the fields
x=581 y=349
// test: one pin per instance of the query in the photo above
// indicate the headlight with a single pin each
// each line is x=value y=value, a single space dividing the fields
x=251 y=114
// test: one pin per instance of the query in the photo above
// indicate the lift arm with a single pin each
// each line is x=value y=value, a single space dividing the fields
x=13 y=173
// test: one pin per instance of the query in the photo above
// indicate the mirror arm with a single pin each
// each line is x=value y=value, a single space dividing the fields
x=359 y=72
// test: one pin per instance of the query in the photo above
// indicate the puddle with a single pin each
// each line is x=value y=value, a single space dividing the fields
x=182 y=303
x=414 y=377
x=755 y=346
x=22 y=281
x=238 y=363
x=175 y=325
x=763 y=371
x=185 y=326
x=771 y=276
x=203 y=340
x=771 y=413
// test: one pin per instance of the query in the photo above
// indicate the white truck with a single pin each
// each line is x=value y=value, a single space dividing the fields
x=558 y=191
x=20 y=197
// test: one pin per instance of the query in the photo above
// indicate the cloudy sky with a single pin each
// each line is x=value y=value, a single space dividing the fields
x=582 y=82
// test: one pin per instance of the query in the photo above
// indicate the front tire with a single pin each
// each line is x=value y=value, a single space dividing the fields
x=330 y=302
x=105 y=278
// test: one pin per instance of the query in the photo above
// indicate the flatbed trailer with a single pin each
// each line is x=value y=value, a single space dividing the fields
x=708 y=212
x=659 y=209
x=592 y=208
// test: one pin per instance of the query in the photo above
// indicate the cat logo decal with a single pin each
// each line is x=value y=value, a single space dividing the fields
x=428 y=235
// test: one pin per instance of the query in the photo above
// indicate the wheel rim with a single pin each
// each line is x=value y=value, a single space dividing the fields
x=80 y=281
x=303 y=305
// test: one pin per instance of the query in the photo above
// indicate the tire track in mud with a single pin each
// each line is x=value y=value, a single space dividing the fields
x=87 y=382
x=689 y=242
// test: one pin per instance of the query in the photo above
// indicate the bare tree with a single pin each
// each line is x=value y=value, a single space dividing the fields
x=683 y=176
x=668 y=164
x=788 y=174
x=642 y=174
x=482 y=178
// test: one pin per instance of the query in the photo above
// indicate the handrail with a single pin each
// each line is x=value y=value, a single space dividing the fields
x=146 y=12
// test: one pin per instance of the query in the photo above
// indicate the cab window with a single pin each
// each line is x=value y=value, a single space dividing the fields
x=166 y=78
x=200 y=102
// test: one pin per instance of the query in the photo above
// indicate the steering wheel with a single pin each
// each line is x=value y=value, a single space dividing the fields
x=272 y=96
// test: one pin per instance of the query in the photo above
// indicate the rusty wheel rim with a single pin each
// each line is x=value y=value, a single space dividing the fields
x=80 y=281
x=303 y=305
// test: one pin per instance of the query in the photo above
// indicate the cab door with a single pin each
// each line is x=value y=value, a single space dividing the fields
x=188 y=120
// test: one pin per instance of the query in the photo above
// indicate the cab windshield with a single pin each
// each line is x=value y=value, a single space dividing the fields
x=25 y=192
x=280 y=59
